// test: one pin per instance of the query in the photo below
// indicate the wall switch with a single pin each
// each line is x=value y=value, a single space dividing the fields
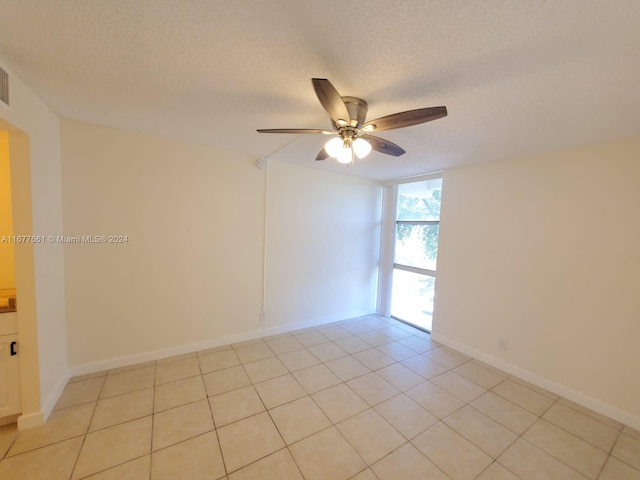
x=263 y=316
x=503 y=344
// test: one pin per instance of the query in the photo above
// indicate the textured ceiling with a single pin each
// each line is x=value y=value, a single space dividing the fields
x=518 y=77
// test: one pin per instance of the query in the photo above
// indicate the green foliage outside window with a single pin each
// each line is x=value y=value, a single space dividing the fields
x=420 y=208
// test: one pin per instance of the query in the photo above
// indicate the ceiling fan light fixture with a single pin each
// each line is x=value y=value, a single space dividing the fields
x=348 y=116
x=333 y=146
x=345 y=156
x=361 y=147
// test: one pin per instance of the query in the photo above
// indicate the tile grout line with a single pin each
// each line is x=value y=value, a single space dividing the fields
x=330 y=341
x=549 y=453
x=369 y=407
x=117 y=424
x=84 y=438
x=313 y=400
x=495 y=461
x=153 y=418
x=619 y=430
x=540 y=417
x=10 y=445
x=613 y=448
x=268 y=411
x=608 y=452
x=215 y=428
x=265 y=411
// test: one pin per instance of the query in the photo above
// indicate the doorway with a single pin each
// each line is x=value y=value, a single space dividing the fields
x=7 y=271
x=22 y=324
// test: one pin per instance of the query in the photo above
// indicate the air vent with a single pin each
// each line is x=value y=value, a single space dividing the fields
x=4 y=87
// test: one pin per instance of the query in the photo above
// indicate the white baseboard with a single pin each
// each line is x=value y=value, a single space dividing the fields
x=50 y=402
x=568 y=393
x=9 y=420
x=197 y=346
x=30 y=420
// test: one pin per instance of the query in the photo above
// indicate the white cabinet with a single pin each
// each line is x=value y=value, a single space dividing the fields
x=9 y=376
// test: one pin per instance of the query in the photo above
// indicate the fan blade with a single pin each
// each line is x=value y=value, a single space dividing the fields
x=408 y=118
x=295 y=130
x=322 y=155
x=383 y=146
x=330 y=100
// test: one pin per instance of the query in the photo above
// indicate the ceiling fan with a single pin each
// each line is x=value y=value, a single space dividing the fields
x=348 y=115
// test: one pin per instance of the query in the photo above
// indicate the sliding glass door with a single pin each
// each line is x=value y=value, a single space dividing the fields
x=416 y=251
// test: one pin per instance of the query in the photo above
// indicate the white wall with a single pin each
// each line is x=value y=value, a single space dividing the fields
x=191 y=270
x=322 y=244
x=191 y=273
x=545 y=252
x=34 y=146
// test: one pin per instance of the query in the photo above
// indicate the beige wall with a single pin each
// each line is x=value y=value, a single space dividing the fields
x=34 y=149
x=192 y=270
x=322 y=244
x=545 y=252
x=7 y=262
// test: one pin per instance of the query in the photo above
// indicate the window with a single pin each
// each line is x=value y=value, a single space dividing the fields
x=415 y=251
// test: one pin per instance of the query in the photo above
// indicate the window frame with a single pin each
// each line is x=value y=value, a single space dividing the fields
x=388 y=240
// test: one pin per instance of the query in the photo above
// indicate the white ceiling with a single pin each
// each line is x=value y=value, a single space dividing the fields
x=517 y=76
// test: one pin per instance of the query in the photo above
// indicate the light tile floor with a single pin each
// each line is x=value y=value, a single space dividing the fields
x=368 y=398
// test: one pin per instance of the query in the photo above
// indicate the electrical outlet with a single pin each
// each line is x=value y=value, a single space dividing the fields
x=263 y=316
x=503 y=344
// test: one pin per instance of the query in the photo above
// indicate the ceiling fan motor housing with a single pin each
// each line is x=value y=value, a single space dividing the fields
x=357 y=109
